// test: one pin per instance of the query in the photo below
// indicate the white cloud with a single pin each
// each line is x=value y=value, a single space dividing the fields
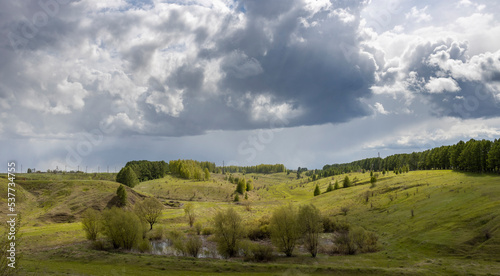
x=263 y=109
x=464 y=3
x=170 y=103
x=419 y=15
x=440 y=85
x=380 y=108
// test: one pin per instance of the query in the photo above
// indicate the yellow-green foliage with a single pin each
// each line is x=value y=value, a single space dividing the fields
x=454 y=228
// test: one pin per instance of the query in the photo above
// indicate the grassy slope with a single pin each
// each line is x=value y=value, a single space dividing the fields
x=452 y=211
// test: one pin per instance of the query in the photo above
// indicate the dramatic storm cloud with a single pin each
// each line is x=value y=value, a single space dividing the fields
x=303 y=82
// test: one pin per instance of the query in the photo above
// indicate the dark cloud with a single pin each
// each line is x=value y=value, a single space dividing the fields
x=187 y=68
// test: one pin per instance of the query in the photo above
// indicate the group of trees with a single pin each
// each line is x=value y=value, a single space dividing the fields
x=148 y=170
x=262 y=168
x=242 y=185
x=471 y=156
x=122 y=228
x=191 y=169
x=287 y=228
x=138 y=171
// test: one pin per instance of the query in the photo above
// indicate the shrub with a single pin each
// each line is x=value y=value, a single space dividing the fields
x=310 y=226
x=122 y=228
x=344 y=243
x=91 y=223
x=344 y=209
x=144 y=246
x=354 y=241
x=207 y=231
x=228 y=232
x=157 y=234
x=98 y=245
x=284 y=229
x=258 y=252
x=193 y=245
x=197 y=227
x=121 y=193
x=176 y=239
x=259 y=232
x=371 y=242
x=190 y=214
x=330 y=225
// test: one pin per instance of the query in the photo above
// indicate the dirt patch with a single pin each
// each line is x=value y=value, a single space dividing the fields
x=59 y=217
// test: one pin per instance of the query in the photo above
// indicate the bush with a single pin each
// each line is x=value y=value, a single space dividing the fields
x=190 y=213
x=310 y=226
x=91 y=223
x=330 y=225
x=259 y=232
x=284 y=229
x=193 y=245
x=177 y=240
x=371 y=242
x=356 y=240
x=258 y=252
x=122 y=228
x=98 y=245
x=228 y=232
x=207 y=231
x=344 y=209
x=121 y=193
x=157 y=233
x=197 y=227
x=144 y=246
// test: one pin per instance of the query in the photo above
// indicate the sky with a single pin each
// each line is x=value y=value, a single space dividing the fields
x=93 y=84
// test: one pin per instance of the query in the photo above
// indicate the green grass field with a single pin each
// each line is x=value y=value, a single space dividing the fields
x=428 y=222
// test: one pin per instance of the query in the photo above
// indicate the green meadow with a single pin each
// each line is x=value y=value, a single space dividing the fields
x=435 y=222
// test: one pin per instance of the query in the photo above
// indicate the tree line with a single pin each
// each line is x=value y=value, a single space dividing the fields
x=288 y=228
x=471 y=156
x=262 y=168
x=148 y=170
x=191 y=169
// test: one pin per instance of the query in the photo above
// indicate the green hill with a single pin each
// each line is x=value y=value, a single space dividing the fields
x=429 y=223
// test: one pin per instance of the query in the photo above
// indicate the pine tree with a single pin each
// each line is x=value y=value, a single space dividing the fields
x=122 y=196
x=236 y=198
x=347 y=182
x=329 y=188
x=373 y=180
x=317 y=192
x=336 y=186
